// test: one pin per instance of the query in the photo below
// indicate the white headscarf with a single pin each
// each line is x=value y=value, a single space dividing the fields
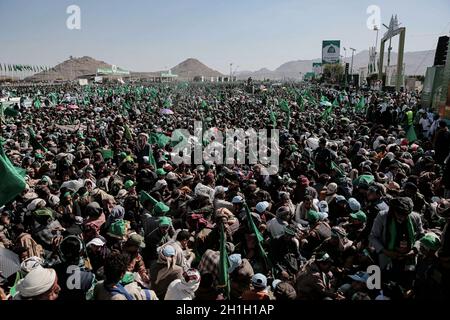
x=38 y=281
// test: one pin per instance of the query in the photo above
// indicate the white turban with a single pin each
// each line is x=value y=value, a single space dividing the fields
x=37 y=282
x=34 y=204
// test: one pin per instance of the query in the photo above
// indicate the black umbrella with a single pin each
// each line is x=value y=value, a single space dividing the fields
x=9 y=263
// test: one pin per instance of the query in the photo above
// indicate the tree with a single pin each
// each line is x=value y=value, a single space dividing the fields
x=333 y=72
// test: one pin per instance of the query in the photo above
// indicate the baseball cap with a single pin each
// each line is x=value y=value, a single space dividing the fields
x=323 y=257
x=331 y=188
x=160 y=172
x=128 y=184
x=359 y=276
x=168 y=251
x=262 y=206
x=136 y=240
x=359 y=215
x=259 y=280
x=237 y=199
x=323 y=206
x=312 y=216
x=220 y=189
x=430 y=241
x=161 y=207
x=235 y=261
x=96 y=242
x=354 y=204
x=340 y=198
x=165 y=221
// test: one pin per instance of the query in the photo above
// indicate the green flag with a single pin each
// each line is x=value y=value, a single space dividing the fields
x=224 y=279
x=37 y=103
x=326 y=113
x=338 y=169
x=273 y=118
x=151 y=159
x=284 y=106
x=143 y=196
x=127 y=133
x=411 y=134
x=34 y=142
x=259 y=239
x=107 y=154
x=335 y=103
x=361 y=105
x=12 y=183
x=159 y=138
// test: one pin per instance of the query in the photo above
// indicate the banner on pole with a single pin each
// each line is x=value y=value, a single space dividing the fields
x=331 y=50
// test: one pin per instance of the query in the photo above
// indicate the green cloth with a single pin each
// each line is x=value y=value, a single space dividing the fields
x=34 y=143
x=127 y=278
x=393 y=233
x=159 y=139
x=367 y=178
x=165 y=221
x=118 y=228
x=160 y=172
x=12 y=182
x=359 y=215
x=338 y=169
x=44 y=212
x=160 y=208
x=128 y=184
x=224 y=264
x=312 y=216
x=430 y=241
x=259 y=239
x=361 y=105
x=107 y=154
x=144 y=196
x=127 y=134
x=411 y=134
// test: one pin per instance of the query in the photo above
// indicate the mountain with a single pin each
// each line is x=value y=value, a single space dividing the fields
x=190 y=68
x=70 y=69
x=416 y=63
x=78 y=67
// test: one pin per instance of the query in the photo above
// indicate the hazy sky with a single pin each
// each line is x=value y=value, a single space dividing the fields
x=149 y=35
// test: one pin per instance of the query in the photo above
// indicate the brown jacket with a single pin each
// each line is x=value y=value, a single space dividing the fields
x=313 y=284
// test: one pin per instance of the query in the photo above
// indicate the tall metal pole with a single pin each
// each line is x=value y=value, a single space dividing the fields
x=351 y=68
x=231 y=70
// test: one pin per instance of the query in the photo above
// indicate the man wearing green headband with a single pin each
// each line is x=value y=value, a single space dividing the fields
x=427 y=283
x=157 y=238
x=395 y=236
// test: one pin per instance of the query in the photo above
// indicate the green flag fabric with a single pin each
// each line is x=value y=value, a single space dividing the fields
x=259 y=239
x=12 y=183
x=107 y=154
x=361 y=105
x=338 y=169
x=224 y=279
x=151 y=159
x=34 y=142
x=411 y=134
x=159 y=138
x=127 y=134
x=37 y=103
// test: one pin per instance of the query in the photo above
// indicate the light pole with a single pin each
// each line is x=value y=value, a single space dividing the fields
x=231 y=70
x=351 y=68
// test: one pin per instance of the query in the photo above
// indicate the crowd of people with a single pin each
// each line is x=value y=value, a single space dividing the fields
x=358 y=210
